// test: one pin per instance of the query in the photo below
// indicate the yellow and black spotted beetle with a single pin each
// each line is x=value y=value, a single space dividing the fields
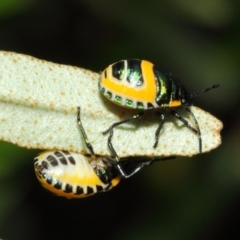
x=139 y=84
x=75 y=175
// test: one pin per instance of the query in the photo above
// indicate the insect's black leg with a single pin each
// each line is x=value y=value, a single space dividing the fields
x=123 y=121
x=116 y=161
x=134 y=171
x=185 y=122
x=88 y=144
x=198 y=131
x=110 y=130
x=112 y=149
x=143 y=163
x=159 y=129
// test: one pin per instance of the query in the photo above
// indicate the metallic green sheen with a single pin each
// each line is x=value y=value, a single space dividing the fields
x=129 y=103
x=108 y=95
x=118 y=100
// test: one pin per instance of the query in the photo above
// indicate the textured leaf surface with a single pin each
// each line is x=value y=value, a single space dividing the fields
x=38 y=101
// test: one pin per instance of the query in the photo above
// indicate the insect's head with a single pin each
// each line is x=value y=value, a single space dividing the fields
x=186 y=99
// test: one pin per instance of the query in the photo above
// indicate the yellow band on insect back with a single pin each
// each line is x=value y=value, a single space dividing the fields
x=144 y=93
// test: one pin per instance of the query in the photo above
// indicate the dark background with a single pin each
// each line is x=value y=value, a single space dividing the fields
x=186 y=198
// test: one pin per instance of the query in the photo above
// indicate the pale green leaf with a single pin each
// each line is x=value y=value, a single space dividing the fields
x=38 y=101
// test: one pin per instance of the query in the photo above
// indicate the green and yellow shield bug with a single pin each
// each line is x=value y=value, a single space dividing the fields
x=139 y=84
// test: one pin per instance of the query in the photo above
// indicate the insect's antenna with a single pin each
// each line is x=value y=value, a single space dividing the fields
x=204 y=90
x=88 y=144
